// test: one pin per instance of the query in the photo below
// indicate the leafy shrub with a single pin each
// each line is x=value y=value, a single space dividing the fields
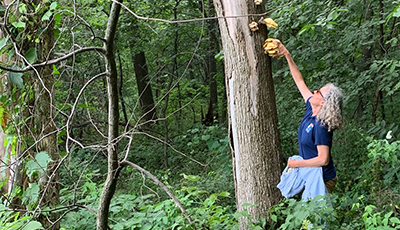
x=12 y=220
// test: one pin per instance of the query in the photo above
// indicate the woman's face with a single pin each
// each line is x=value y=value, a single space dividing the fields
x=318 y=96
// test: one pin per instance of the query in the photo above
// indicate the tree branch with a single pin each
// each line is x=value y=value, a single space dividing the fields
x=197 y=19
x=54 y=61
x=159 y=183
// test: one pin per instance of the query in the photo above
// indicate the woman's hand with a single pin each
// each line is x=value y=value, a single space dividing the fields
x=282 y=51
x=292 y=163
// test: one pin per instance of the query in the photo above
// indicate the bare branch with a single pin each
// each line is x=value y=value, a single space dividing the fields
x=54 y=61
x=159 y=183
x=196 y=19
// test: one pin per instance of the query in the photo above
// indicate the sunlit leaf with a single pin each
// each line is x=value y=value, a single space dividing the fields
x=18 y=24
x=53 y=5
x=47 y=16
x=55 y=71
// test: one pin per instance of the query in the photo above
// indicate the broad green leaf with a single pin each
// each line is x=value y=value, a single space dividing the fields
x=18 y=24
x=16 y=78
x=47 y=16
x=37 y=165
x=31 y=56
x=394 y=220
x=274 y=218
x=33 y=225
x=53 y=5
x=3 y=42
x=43 y=159
x=205 y=137
x=31 y=193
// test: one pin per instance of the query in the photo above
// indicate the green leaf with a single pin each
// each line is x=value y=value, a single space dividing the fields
x=31 y=56
x=224 y=194
x=3 y=42
x=191 y=177
x=16 y=78
x=37 y=165
x=84 y=106
x=205 y=137
x=396 y=13
x=31 y=194
x=394 y=220
x=213 y=145
x=55 y=71
x=392 y=67
x=18 y=24
x=22 y=8
x=33 y=225
x=53 y=5
x=43 y=159
x=47 y=16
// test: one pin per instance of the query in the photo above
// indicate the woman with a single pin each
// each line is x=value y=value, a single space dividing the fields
x=323 y=116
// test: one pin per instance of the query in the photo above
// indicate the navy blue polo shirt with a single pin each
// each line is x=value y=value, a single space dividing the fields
x=311 y=133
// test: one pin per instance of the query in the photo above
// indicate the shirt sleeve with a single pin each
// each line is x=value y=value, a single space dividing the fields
x=322 y=136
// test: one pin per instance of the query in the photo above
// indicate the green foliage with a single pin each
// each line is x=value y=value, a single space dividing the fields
x=329 y=40
x=379 y=220
x=10 y=220
x=292 y=214
x=16 y=77
x=132 y=211
x=37 y=165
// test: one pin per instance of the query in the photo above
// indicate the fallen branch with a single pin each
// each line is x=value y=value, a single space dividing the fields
x=159 y=183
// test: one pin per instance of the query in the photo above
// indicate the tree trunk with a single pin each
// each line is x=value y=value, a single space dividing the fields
x=113 y=119
x=144 y=87
x=253 y=122
x=211 y=69
x=121 y=86
x=367 y=60
x=45 y=126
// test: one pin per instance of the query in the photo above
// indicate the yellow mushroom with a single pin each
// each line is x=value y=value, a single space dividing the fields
x=270 y=23
x=253 y=26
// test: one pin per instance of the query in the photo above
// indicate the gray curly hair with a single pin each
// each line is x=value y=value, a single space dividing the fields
x=331 y=113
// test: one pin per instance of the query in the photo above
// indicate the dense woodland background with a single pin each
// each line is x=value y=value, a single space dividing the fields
x=165 y=70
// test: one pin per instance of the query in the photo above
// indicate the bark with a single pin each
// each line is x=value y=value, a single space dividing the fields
x=211 y=68
x=377 y=91
x=146 y=99
x=367 y=60
x=121 y=84
x=45 y=126
x=113 y=119
x=253 y=122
